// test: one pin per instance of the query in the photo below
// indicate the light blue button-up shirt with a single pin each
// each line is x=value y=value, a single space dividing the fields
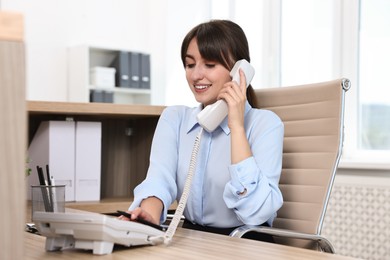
x=215 y=198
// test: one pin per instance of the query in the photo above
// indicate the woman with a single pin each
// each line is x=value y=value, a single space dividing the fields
x=238 y=165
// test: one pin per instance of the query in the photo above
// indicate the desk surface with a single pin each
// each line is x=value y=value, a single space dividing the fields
x=100 y=109
x=186 y=244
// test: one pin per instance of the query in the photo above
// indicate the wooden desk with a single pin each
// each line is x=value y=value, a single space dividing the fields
x=186 y=244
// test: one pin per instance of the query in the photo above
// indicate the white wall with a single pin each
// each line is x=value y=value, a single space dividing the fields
x=180 y=17
x=53 y=26
x=156 y=27
x=153 y=26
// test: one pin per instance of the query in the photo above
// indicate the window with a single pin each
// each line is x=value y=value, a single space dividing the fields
x=306 y=41
x=373 y=75
x=326 y=39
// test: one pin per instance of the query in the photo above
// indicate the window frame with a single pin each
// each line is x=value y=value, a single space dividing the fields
x=345 y=65
x=349 y=59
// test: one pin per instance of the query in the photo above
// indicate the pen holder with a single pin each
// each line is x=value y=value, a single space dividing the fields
x=47 y=198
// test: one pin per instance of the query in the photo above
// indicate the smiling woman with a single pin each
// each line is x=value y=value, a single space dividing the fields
x=239 y=163
x=205 y=78
x=208 y=50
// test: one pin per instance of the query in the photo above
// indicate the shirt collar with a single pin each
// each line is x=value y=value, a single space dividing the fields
x=192 y=122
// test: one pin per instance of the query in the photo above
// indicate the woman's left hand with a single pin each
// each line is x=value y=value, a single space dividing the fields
x=235 y=96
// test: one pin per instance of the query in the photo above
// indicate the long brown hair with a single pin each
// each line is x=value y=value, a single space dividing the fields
x=222 y=41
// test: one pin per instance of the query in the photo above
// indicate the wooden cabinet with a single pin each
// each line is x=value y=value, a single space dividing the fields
x=127 y=132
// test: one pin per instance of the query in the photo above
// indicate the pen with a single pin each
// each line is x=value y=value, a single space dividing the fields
x=54 y=197
x=44 y=190
x=48 y=175
x=51 y=191
x=40 y=176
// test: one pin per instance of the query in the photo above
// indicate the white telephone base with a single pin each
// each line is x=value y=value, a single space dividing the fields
x=94 y=232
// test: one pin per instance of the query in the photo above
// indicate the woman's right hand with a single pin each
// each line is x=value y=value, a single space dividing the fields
x=150 y=210
x=139 y=213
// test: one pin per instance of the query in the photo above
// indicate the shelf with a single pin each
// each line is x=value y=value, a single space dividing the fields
x=100 y=109
x=131 y=91
x=127 y=132
x=82 y=59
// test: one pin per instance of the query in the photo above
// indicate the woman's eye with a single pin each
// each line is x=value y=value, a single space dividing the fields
x=190 y=66
x=210 y=65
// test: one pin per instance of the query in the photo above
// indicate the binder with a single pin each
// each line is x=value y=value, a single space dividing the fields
x=108 y=97
x=96 y=96
x=145 y=71
x=121 y=64
x=102 y=96
x=88 y=161
x=73 y=152
x=134 y=70
x=54 y=144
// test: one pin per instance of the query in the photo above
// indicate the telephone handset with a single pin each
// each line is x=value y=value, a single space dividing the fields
x=212 y=115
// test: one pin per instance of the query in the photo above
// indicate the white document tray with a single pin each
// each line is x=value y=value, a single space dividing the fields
x=93 y=231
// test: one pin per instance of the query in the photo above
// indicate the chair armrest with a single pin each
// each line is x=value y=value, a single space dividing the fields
x=324 y=243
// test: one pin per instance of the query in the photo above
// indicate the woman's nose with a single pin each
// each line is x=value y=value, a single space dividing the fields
x=197 y=73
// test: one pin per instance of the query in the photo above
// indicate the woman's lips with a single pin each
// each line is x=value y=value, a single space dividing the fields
x=201 y=88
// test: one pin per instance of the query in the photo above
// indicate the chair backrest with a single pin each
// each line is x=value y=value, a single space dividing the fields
x=313 y=118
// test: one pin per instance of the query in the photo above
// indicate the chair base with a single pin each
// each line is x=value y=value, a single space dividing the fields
x=324 y=244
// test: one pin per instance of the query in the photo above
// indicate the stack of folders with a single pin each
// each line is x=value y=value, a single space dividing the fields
x=103 y=96
x=132 y=70
x=73 y=151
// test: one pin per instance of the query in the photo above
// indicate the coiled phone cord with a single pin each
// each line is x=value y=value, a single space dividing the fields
x=183 y=199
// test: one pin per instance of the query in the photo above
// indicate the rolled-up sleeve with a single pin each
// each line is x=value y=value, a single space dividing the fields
x=253 y=190
x=244 y=178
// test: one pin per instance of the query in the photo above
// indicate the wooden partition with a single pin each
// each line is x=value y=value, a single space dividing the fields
x=12 y=135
